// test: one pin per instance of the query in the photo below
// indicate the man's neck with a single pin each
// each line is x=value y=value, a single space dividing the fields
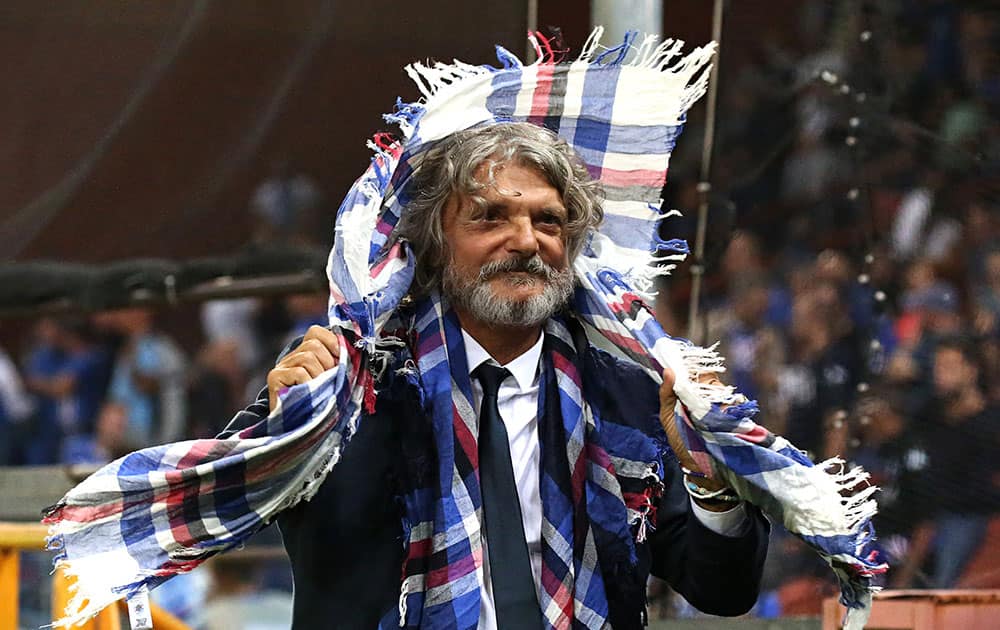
x=504 y=343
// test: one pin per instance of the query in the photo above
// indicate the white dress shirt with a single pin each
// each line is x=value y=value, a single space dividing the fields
x=517 y=399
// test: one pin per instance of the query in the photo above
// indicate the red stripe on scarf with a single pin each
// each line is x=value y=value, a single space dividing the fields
x=625 y=342
x=453 y=570
x=172 y=567
x=624 y=303
x=85 y=513
x=540 y=97
x=394 y=253
x=561 y=595
x=599 y=457
x=756 y=435
x=196 y=453
x=466 y=440
x=420 y=549
x=562 y=364
x=385 y=229
x=613 y=177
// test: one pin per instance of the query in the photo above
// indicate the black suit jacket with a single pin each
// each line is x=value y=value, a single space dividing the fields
x=346 y=544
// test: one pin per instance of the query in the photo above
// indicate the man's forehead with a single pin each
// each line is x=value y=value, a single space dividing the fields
x=496 y=163
x=503 y=181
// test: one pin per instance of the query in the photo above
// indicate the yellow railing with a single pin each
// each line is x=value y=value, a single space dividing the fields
x=18 y=537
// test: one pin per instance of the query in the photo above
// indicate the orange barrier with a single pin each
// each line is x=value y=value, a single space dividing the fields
x=15 y=538
x=18 y=537
x=10 y=564
x=925 y=610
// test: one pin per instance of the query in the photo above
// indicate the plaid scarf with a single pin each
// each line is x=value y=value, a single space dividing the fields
x=597 y=496
x=820 y=504
x=166 y=509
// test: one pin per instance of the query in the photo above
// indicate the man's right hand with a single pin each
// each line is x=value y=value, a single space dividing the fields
x=318 y=352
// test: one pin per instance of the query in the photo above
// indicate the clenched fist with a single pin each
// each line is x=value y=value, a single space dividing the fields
x=668 y=399
x=318 y=352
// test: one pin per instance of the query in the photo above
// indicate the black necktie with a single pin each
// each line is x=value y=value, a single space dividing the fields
x=510 y=568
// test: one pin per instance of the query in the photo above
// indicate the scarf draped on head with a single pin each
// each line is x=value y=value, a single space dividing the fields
x=164 y=510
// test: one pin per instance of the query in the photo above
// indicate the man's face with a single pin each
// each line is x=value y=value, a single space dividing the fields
x=951 y=371
x=993 y=269
x=508 y=261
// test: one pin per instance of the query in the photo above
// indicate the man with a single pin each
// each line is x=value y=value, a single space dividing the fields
x=393 y=459
x=73 y=385
x=958 y=434
x=499 y=215
x=16 y=408
x=148 y=378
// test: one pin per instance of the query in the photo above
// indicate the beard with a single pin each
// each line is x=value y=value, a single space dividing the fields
x=472 y=291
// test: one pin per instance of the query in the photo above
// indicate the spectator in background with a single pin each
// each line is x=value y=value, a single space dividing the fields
x=43 y=368
x=986 y=324
x=981 y=237
x=819 y=383
x=107 y=442
x=896 y=456
x=83 y=377
x=834 y=270
x=305 y=310
x=239 y=600
x=747 y=323
x=940 y=318
x=816 y=168
x=16 y=408
x=286 y=205
x=960 y=431
x=72 y=387
x=918 y=278
x=228 y=371
x=234 y=321
x=987 y=298
x=753 y=348
x=148 y=379
x=216 y=384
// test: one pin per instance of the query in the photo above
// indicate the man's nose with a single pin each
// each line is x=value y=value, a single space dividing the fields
x=523 y=239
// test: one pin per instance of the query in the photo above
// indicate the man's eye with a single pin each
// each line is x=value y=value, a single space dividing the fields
x=550 y=218
x=488 y=214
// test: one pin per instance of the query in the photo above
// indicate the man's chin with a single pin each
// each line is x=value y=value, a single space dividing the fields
x=508 y=299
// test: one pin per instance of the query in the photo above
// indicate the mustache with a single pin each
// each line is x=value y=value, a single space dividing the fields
x=534 y=266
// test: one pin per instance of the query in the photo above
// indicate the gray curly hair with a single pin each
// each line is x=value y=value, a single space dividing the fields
x=450 y=168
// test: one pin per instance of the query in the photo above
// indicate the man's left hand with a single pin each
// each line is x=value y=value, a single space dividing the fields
x=668 y=400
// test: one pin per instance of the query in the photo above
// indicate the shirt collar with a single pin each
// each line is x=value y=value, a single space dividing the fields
x=524 y=368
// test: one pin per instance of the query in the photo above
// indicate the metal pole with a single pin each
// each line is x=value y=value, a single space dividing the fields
x=619 y=16
x=704 y=184
x=529 y=51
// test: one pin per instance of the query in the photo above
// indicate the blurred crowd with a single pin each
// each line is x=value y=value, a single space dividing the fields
x=89 y=389
x=854 y=270
x=83 y=390
x=853 y=283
